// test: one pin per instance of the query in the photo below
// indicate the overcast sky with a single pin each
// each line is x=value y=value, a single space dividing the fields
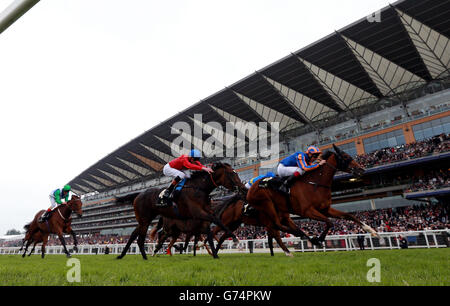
x=79 y=78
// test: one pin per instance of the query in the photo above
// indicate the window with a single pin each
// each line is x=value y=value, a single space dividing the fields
x=349 y=148
x=432 y=128
x=391 y=139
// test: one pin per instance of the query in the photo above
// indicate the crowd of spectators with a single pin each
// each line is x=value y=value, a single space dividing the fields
x=437 y=144
x=400 y=219
x=433 y=180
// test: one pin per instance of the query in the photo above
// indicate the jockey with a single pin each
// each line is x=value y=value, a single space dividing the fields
x=257 y=178
x=298 y=164
x=56 y=198
x=177 y=170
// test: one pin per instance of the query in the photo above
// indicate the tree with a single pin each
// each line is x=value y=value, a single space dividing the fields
x=12 y=232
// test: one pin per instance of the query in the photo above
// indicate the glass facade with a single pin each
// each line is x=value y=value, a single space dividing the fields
x=349 y=148
x=432 y=128
x=391 y=139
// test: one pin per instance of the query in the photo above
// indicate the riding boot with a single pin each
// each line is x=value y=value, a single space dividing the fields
x=44 y=216
x=285 y=187
x=166 y=197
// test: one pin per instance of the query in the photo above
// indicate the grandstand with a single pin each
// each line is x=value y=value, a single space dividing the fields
x=365 y=88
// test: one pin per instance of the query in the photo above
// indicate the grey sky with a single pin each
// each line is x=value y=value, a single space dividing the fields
x=81 y=78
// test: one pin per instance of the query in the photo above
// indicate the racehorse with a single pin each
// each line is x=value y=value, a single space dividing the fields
x=38 y=238
x=55 y=224
x=309 y=197
x=193 y=202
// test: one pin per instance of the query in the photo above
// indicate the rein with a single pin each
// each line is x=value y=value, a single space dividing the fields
x=60 y=214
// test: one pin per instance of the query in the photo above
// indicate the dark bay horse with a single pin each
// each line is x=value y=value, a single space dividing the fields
x=310 y=197
x=168 y=227
x=54 y=225
x=193 y=202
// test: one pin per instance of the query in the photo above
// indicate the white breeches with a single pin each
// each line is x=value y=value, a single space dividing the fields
x=282 y=170
x=247 y=185
x=169 y=171
x=53 y=203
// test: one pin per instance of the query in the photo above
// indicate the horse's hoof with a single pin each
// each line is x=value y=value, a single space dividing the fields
x=288 y=254
x=75 y=249
x=68 y=255
x=119 y=257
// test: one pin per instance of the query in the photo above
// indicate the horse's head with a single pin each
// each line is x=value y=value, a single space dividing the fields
x=225 y=175
x=75 y=205
x=346 y=163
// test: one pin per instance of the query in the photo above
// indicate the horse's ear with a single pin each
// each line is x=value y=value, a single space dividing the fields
x=337 y=150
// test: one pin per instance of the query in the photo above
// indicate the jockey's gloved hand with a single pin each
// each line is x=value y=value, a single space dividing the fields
x=207 y=169
x=322 y=162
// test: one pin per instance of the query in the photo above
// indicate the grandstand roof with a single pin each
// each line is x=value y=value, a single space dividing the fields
x=408 y=44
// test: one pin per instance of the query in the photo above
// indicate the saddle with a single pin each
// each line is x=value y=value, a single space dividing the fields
x=271 y=182
x=173 y=196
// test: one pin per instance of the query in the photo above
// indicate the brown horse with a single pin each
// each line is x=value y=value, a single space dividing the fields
x=38 y=237
x=193 y=202
x=55 y=224
x=310 y=197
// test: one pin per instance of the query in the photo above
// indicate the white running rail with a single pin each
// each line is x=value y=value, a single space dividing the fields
x=416 y=239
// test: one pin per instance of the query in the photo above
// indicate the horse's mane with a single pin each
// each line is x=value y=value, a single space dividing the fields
x=327 y=154
x=202 y=174
x=220 y=208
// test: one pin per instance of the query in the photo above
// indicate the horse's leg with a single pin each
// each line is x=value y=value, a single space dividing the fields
x=26 y=247
x=270 y=241
x=171 y=243
x=142 y=233
x=23 y=243
x=133 y=236
x=334 y=213
x=210 y=239
x=32 y=250
x=314 y=214
x=276 y=235
x=161 y=240
x=233 y=226
x=195 y=245
x=186 y=242
x=75 y=242
x=44 y=243
x=272 y=215
x=207 y=249
x=63 y=242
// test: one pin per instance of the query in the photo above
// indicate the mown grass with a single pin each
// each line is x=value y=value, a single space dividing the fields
x=398 y=267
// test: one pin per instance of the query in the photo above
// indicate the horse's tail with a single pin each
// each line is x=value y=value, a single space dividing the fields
x=219 y=209
x=127 y=198
x=26 y=227
x=156 y=228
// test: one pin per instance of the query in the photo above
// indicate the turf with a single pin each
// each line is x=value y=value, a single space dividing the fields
x=398 y=267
